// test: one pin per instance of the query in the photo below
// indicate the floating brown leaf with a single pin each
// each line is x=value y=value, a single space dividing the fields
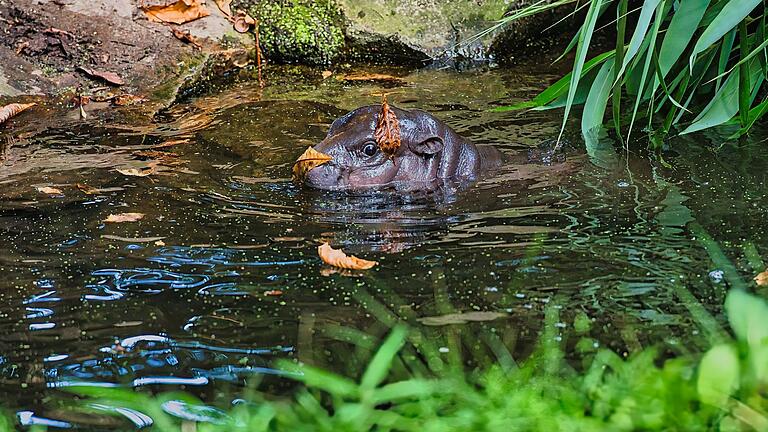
x=311 y=158
x=89 y=190
x=461 y=318
x=387 y=133
x=762 y=278
x=124 y=217
x=337 y=258
x=109 y=77
x=135 y=172
x=373 y=77
x=48 y=190
x=187 y=37
x=178 y=12
x=11 y=110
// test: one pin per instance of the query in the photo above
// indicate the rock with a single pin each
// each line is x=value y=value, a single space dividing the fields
x=537 y=34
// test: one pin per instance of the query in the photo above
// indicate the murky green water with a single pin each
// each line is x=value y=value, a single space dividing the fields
x=222 y=276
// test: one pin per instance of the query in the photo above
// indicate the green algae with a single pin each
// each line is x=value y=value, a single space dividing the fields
x=306 y=31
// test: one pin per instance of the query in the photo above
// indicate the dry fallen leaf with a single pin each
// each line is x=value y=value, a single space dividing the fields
x=187 y=37
x=159 y=243
x=372 y=77
x=134 y=172
x=327 y=74
x=124 y=217
x=127 y=99
x=48 y=190
x=11 y=110
x=178 y=12
x=387 y=133
x=109 y=77
x=311 y=158
x=273 y=293
x=461 y=318
x=762 y=278
x=225 y=6
x=243 y=22
x=337 y=258
x=88 y=190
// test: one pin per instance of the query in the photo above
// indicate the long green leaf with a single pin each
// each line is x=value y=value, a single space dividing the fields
x=680 y=32
x=597 y=100
x=728 y=18
x=638 y=37
x=649 y=57
x=755 y=114
x=725 y=103
x=726 y=47
x=745 y=90
x=621 y=29
x=378 y=368
x=557 y=89
x=581 y=54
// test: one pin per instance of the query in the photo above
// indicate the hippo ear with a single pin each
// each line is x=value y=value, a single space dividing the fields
x=427 y=147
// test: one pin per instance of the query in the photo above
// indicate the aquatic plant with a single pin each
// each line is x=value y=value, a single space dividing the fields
x=722 y=391
x=687 y=66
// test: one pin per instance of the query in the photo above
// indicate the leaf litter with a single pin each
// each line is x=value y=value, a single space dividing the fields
x=124 y=217
x=13 y=109
x=178 y=12
x=337 y=258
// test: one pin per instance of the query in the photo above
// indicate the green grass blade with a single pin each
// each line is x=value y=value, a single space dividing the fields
x=684 y=23
x=413 y=388
x=621 y=29
x=581 y=53
x=638 y=37
x=761 y=36
x=559 y=88
x=728 y=18
x=725 y=103
x=378 y=369
x=651 y=47
x=660 y=80
x=597 y=100
x=333 y=384
x=726 y=47
x=745 y=91
x=755 y=52
x=755 y=114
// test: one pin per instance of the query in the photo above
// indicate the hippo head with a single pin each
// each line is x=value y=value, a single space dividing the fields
x=429 y=150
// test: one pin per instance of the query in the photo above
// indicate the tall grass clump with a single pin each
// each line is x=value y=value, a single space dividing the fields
x=677 y=66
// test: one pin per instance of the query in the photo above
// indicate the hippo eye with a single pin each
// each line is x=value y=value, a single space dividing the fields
x=370 y=149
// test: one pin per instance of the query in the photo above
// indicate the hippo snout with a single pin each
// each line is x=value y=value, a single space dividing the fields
x=326 y=176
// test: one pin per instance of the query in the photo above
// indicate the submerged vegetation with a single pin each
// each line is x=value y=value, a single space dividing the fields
x=722 y=391
x=676 y=66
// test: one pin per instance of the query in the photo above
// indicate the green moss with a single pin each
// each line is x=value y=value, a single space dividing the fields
x=305 y=31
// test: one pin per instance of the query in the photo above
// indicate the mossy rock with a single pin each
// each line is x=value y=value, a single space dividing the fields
x=299 y=31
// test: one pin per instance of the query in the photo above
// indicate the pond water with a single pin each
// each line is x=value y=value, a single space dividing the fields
x=221 y=276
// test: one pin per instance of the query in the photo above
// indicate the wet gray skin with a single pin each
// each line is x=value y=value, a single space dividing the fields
x=430 y=153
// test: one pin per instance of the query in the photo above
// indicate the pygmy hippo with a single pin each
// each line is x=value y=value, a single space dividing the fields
x=428 y=151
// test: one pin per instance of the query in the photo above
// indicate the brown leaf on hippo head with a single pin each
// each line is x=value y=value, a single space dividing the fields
x=311 y=158
x=387 y=132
